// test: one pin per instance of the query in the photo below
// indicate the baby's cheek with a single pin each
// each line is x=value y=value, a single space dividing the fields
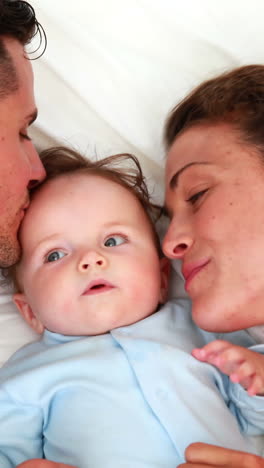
x=147 y=294
x=66 y=307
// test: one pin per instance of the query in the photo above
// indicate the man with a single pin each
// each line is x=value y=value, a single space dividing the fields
x=20 y=166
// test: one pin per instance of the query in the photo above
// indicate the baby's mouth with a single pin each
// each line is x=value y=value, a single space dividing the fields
x=97 y=287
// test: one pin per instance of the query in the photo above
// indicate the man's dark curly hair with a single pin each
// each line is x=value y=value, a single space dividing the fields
x=17 y=21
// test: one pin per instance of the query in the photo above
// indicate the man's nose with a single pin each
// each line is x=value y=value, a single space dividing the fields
x=37 y=171
x=91 y=259
x=178 y=239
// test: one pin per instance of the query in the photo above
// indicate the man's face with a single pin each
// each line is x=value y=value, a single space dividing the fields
x=19 y=161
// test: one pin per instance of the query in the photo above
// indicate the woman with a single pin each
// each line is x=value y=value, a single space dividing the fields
x=215 y=199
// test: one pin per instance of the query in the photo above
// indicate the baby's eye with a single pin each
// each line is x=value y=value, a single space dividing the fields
x=54 y=256
x=113 y=241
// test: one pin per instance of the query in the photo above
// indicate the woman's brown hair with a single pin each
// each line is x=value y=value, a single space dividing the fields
x=235 y=97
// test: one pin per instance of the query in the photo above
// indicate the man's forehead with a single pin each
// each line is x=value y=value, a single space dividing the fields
x=19 y=58
x=14 y=47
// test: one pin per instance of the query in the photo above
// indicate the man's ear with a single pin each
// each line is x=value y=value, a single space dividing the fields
x=165 y=272
x=25 y=310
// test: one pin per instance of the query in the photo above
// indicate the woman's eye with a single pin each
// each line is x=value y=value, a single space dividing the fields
x=194 y=198
x=113 y=241
x=54 y=256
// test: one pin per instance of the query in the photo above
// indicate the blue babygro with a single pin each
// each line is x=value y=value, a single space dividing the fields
x=131 y=398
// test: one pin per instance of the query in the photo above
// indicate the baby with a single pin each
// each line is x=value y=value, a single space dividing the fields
x=111 y=382
x=242 y=365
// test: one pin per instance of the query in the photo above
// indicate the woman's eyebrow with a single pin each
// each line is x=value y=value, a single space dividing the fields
x=175 y=178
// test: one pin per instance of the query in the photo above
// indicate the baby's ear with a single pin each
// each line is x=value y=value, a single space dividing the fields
x=165 y=272
x=25 y=310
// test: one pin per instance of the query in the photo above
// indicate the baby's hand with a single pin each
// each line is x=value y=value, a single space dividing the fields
x=243 y=366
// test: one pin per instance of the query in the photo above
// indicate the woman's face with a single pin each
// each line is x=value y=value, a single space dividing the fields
x=215 y=199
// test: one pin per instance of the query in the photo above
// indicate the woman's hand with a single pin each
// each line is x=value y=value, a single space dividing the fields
x=200 y=455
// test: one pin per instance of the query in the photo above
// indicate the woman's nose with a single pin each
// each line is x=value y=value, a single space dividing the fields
x=177 y=240
x=91 y=259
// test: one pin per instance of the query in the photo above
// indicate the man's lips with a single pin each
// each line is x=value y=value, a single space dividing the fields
x=191 y=269
x=97 y=287
x=25 y=203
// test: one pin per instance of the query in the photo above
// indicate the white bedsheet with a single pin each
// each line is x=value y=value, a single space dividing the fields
x=113 y=68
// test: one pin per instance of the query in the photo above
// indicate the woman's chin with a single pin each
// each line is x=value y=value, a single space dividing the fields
x=224 y=317
x=209 y=317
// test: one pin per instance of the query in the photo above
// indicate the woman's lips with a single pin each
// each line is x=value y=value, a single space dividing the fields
x=190 y=271
x=97 y=287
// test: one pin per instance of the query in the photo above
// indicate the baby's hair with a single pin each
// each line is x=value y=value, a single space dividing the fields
x=123 y=169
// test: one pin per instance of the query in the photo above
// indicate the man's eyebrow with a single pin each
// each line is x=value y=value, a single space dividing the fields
x=175 y=178
x=32 y=117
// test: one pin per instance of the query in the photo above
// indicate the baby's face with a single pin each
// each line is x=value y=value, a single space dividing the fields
x=89 y=261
